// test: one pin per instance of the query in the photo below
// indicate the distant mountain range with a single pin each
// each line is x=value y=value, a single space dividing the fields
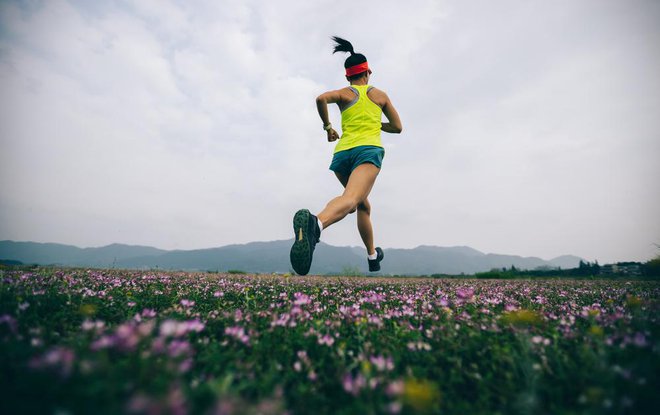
x=267 y=257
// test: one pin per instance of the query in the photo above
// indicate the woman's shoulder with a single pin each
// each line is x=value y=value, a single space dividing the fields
x=374 y=90
x=347 y=90
x=377 y=95
x=348 y=93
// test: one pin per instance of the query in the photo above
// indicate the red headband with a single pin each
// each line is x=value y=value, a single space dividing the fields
x=356 y=69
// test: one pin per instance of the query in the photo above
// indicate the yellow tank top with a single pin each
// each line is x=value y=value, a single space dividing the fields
x=360 y=122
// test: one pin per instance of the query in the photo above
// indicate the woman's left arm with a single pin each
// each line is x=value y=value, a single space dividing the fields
x=394 y=125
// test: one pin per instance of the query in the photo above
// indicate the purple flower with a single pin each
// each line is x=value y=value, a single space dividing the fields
x=327 y=340
x=59 y=358
x=639 y=340
x=353 y=385
x=373 y=297
x=194 y=325
x=145 y=328
x=176 y=401
x=178 y=348
x=239 y=334
x=126 y=337
x=394 y=388
x=176 y=328
x=465 y=293
x=102 y=342
x=88 y=325
x=540 y=340
x=394 y=407
x=301 y=299
x=382 y=363
x=185 y=365
x=148 y=313
x=510 y=307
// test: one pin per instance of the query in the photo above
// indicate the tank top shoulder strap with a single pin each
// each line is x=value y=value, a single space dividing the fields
x=355 y=100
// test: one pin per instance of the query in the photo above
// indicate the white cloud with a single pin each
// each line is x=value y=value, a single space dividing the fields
x=528 y=128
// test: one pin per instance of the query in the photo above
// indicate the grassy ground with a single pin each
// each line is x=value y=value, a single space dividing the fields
x=95 y=341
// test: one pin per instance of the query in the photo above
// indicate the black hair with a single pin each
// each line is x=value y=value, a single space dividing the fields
x=343 y=45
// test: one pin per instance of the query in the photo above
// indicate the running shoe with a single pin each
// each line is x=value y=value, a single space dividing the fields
x=306 y=233
x=374 y=264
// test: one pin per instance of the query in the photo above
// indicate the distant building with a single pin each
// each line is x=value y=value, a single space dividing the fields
x=627 y=269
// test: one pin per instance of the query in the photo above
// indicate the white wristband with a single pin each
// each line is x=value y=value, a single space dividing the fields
x=327 y=127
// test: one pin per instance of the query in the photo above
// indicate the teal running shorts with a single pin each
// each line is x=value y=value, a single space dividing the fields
x=344 y=162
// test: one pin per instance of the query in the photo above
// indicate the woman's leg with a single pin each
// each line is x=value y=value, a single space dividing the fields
x=356 y=190
x=363 y=219
x=364 y=226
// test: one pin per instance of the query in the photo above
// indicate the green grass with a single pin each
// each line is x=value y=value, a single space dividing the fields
x=111 y=341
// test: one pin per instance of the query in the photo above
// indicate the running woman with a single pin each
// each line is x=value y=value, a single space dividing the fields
x=356 y=161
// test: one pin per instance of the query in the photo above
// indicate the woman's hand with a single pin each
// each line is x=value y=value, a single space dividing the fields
x=332 y=135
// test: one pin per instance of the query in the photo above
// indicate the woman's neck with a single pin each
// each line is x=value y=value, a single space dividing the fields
x=361 y=81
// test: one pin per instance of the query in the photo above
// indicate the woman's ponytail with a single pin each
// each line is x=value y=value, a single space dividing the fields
x=342 y=45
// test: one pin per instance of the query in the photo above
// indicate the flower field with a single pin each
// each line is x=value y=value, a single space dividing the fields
x=146 y=342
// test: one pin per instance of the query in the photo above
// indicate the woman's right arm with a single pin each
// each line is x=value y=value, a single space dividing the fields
x=322 y=101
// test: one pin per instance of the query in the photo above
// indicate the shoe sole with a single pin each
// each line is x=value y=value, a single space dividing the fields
x=301 y=253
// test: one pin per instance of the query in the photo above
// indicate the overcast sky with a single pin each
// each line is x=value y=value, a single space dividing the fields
x=530 y=127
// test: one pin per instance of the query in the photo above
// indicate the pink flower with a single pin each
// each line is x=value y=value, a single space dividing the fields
x=59 y=358
x=178 y=348
x=382 y=363
x=147 y=313
x=180 y=328
x=170 y=328
x=327 y=340
x=145 y=329
x=301 y=299
x=88 y=325
x=465 y=293
x=176 y=401
x=194 y=325
x=394 y=407
x=126 y=337
x=102 y=342
x=187 y=303
x=394 y=388
x=639 y=340
x=239 y=334
x=353 y=385
x=185 y=365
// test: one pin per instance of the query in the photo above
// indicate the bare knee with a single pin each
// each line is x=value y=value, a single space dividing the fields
x=364 y=207
x=353 y=203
